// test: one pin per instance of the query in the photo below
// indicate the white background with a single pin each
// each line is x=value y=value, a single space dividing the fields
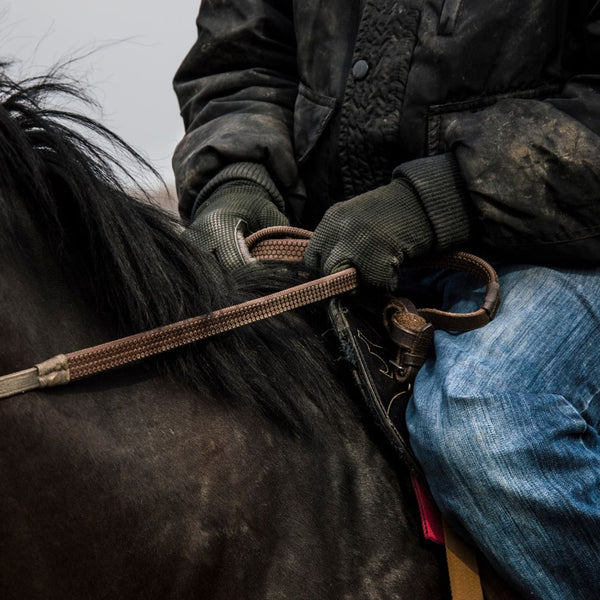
x=129 y=51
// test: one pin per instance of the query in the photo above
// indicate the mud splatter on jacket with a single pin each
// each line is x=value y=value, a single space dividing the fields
x=331 y=97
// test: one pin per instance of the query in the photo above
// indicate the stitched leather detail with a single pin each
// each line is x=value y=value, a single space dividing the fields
x=372 y=106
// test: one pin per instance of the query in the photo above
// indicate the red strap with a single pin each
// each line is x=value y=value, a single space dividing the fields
x=431 y=518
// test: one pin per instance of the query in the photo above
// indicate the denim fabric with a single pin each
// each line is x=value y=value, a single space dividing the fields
x=505 y=422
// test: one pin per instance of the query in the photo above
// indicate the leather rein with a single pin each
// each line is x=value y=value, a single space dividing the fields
x=274 y=243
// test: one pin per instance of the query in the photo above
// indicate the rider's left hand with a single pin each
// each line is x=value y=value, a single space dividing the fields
x=374 y=232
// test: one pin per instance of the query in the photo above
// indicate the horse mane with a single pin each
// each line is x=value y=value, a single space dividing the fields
x=129 y=260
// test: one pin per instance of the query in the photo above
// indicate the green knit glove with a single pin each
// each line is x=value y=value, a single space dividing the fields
x=374 y=232
x=233 y=211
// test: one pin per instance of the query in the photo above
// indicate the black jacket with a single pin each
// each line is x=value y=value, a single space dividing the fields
x=331 y=97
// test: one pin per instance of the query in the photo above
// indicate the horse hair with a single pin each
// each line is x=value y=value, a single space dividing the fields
x=128 y=259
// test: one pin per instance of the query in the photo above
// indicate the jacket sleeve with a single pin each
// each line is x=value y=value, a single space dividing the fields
x=236 y=89
x=531 y=168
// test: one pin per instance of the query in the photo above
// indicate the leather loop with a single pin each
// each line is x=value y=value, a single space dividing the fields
x=279 y=243
x=478 y=268
x=412 y=335
x=289 y=243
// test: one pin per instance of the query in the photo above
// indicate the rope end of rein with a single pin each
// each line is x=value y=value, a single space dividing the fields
x=49 y=373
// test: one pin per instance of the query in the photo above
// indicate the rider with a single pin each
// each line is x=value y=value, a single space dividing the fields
x=401 y=128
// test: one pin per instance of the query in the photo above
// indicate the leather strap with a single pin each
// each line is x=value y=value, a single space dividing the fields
x=478 y=268
x=289 y=243
x=97 y=359
x=273 y=243
x=463 y=571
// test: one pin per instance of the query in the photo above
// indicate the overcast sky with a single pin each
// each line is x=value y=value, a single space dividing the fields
x=139 y=44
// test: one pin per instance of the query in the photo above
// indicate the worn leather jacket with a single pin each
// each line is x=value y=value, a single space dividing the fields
x=334 y=97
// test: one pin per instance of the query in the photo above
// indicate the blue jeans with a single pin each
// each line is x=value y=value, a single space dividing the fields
x=505 y=422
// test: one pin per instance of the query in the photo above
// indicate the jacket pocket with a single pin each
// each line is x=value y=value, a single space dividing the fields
x=449 y=16
x=312 y=113
x=440 y=114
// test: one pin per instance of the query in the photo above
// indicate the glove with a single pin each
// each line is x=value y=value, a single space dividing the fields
x=374 y=232
x=233 y=211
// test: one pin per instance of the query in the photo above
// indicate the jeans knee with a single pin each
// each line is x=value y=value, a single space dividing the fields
x=450 y=425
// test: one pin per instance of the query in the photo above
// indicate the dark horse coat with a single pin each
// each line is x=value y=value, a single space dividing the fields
x=241 y=467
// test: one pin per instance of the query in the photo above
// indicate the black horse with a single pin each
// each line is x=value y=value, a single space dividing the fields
x=239 y=467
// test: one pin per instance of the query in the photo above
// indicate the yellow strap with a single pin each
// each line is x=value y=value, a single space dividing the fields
x=463 y=571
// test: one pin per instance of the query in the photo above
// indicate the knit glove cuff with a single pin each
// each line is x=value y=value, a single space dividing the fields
x=443 y=196
x=238 y=172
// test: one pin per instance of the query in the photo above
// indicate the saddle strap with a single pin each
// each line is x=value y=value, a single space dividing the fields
x=463 y=571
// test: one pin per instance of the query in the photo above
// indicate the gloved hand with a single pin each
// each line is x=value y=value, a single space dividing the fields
x=233 y=211
x=374 y=232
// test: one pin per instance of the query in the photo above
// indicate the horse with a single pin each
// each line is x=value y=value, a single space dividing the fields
x=243 y=466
